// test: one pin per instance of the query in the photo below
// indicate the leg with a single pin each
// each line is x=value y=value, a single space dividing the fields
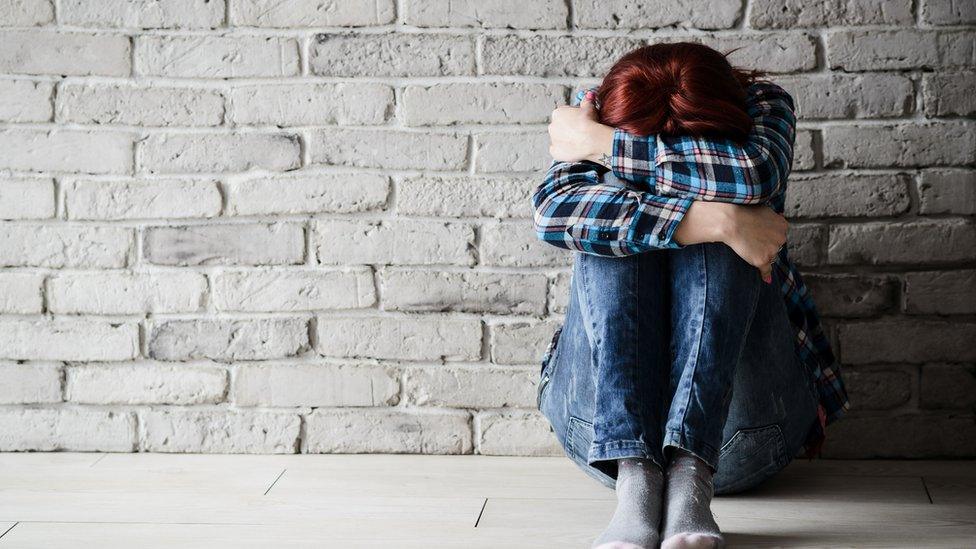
x=774 y=401
x=609 y=370
x=714 y=297
x=623 y=307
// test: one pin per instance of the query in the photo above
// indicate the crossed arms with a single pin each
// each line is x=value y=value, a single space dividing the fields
x=636 y=203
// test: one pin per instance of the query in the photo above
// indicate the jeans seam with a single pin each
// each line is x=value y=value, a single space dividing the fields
x=698 y=343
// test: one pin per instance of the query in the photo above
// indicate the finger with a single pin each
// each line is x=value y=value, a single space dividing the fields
x=766 y=271
x=587 y=106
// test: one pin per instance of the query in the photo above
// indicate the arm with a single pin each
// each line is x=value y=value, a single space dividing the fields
x=713 y=169
x=575 y=209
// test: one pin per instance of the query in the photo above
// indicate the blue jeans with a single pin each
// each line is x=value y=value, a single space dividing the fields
x=683 y=348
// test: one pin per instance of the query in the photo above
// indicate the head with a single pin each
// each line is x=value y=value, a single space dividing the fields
x=680 y=88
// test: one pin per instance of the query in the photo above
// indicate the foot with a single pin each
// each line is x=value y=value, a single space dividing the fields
x=635 y=522
x=688 y=520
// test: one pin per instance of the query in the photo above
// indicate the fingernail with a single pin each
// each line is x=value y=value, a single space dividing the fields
x=767 y=279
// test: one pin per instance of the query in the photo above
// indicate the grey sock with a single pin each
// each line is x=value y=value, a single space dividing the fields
x=636 y=522
x=688 y=520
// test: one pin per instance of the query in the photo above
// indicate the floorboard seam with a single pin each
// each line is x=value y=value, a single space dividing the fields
x=8 y=529
x=281 y=474
x=483 y=505
x=926 y=487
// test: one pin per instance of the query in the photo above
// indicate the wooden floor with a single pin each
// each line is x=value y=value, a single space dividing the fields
x=204 y=501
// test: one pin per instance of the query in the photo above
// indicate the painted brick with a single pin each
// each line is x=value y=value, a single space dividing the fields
x=389 y=149
x=141 y=199
x=911 y=341
x=806 y=244
x=901 y=145
x=466 y=196
x=145 y=383
x=379 y=430
x=26 y=13
x=845 y=96
x=61 y=150
x=21 y=293
x=480 y=103
x=226 y=56
x=401 y=242
x=311 y=13
x=511 y=433
x=30 y=382
x=219 y=431
x=624 y=14
x=853 y=295
x=941 y=293
x=254 y=339
x=138 y=105
x=285 y=290
x=514 y=244
x=391 y=55
x=949 y=94
x=465 y=291
x=910 y=243
x=142 y=14
x=513 y=14
x=25 y=100
x=520 y=342
x=411 y=337
x=847 y=195
x=559 y=288
x=310 y=104
x=804 y=153
x=60 y=246
x=125 y=293
x=219 y=152
x=948 y=386
x=880 y=388
x=512 y=151
x=72 y=429
x=774 y=52
x=947 y=192
x=788 y=14
x=471 y=386
x=859 y=50
x=306 y=193
x=75 y=340
x=64 y=53
x=919 y=436
x=552 y=55
x=289 y=385
x=948 y=12
x=238 y=244
x=26 y=198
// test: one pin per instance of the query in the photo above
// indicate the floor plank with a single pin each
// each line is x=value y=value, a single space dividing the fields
x=158 y=481
x=880 y=468
x=37 y=460
x=68 y=506
x=442 y=476
x=39 y=535
x=952 y=490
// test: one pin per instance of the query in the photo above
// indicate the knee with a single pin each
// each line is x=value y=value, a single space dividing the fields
x=716 y=261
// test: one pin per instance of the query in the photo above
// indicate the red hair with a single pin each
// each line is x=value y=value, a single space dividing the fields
x=680 y=88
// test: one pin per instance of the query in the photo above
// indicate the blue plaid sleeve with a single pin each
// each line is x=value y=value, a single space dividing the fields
x=717 y=169
x=578 y=209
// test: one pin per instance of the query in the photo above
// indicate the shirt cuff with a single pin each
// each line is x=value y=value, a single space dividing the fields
x=632 y=156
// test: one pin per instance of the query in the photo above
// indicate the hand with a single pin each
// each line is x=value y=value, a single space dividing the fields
x=756 y=234
x=575 y=134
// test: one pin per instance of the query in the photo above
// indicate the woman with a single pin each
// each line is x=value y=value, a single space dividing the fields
x=701 y=365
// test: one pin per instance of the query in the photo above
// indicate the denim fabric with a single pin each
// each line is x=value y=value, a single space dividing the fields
x=677 y=348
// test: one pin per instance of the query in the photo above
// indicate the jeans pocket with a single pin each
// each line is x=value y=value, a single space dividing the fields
x=750 y=457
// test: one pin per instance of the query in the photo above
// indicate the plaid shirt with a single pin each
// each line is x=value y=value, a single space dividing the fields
x=577 y=210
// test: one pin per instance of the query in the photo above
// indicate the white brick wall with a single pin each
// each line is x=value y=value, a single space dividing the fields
x=305 y=226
